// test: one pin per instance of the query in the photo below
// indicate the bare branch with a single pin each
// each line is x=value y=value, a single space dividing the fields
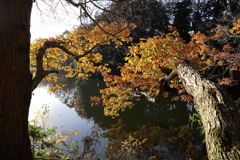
x=90 y=142
x=86 y=12
x=103 y=9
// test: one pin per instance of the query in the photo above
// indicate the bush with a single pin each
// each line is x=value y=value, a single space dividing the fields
x=46 y=142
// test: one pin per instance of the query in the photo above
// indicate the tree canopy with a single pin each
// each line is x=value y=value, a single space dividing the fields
x=49 y=55
x=146 y=65
x=150 y=63
x=151 y=59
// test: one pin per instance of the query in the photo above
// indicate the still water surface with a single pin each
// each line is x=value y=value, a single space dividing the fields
x=70 y=109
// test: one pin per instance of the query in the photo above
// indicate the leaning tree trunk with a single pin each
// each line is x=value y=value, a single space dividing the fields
x=15 y=79
x=220 y=117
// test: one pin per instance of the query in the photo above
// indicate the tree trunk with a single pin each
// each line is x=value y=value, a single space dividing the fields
x=220 y=117
x=15 y=79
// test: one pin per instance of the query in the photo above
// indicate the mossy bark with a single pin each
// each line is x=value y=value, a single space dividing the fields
x=220 y=117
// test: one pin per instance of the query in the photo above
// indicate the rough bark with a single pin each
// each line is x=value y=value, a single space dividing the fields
x=15 y=79
x=220 y=117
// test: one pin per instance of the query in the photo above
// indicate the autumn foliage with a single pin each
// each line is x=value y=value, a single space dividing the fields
x=82 y=45
x=154 y=57
x=146 y=62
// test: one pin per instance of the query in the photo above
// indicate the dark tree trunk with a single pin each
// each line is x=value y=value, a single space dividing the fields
x=220 y=117
x=15 y=79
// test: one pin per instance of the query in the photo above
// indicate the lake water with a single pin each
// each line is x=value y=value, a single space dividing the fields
x=70 y=109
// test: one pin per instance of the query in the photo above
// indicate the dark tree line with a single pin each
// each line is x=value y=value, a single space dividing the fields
x=153 y=16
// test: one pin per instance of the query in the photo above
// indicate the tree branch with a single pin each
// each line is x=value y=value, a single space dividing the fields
x=156 y=99
x=41 y=73
x=103 y=9
x=39 y=76
x=86 y=12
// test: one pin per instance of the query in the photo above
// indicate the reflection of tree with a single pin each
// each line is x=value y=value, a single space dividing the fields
x=167 y=114
x=90 y=142
x=88 y=89
x=68 y=96
x=71 y=96
x=182 y=144
x=164 y=114
x=156 y=118
x=149 y=142
x=147 y=138
x=144 y=120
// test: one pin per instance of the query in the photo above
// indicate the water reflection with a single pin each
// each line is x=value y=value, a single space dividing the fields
x=166 y=114
x=151 y=143
x=158 y=122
